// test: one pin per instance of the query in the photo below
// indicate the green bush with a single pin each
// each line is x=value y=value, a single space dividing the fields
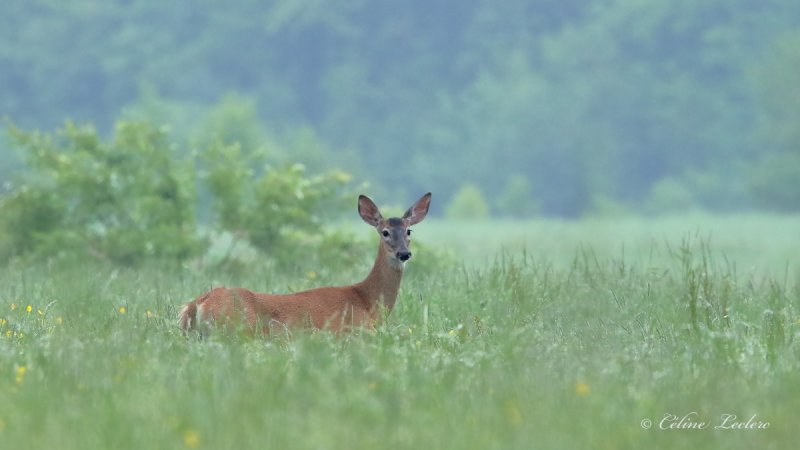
x=122 y=200
x=516 y=199
x=281 y=211
x=774 y=183
x=468 y=203
x=669 y=195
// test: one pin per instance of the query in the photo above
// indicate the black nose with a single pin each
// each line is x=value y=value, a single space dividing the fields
x=403 y=256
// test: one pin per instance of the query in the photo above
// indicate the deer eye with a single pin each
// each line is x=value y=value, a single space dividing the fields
x=385 y=233
x=408 y=232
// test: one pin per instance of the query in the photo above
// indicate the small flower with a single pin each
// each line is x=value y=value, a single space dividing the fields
x=13 y=306
x=312 y=275
x=21 y=370
x=123 y=310
x=40 y=312
x=59 y=320
x=28 y=309
x=149 y=314
x=191 y=439
x=3 y=322
x=582 y=389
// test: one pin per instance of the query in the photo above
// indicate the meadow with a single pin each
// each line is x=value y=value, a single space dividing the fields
x=603 y=333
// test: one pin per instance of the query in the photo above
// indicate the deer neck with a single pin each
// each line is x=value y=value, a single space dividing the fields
x=381 y=285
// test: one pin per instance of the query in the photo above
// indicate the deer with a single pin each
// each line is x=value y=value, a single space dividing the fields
x=334 y=308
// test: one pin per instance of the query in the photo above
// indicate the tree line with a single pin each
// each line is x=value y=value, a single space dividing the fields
x=570 y=107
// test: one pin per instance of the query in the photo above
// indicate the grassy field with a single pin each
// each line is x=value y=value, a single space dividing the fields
x=601 y=334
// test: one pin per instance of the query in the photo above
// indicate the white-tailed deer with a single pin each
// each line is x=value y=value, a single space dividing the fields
x=332 y=308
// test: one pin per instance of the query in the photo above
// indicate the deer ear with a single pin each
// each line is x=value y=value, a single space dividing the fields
x=419 y=210
x=369 y=211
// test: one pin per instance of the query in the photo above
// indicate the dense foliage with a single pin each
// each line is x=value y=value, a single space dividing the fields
x=132 y=197
x=279 y=210
x=596 y=103
x=121 y=200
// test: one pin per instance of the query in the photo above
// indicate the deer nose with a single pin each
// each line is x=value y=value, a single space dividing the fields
x=403 y=256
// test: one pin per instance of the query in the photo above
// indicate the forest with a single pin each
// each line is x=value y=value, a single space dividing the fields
x=555 y=108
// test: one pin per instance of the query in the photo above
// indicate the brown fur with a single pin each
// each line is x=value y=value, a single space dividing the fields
x=332 y=308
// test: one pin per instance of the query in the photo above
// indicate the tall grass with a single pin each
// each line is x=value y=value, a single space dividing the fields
x=516 y=352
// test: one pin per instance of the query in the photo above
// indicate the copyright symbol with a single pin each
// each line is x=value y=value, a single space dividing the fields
x=646 y=424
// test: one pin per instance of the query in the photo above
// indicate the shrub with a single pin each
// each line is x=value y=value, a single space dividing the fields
x=278 y=210
x=669 y=195
x=468 y=203
x=774 y=183
x=122 y=200
x=517 y=200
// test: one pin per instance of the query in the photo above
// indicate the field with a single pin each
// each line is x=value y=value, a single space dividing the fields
x=609 y=334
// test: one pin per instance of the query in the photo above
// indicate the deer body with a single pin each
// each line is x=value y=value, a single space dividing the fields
x=333 y=308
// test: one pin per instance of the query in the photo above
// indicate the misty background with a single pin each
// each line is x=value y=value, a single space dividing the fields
x=551 y=107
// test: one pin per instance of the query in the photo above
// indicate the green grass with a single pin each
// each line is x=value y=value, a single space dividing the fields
x=567 y=345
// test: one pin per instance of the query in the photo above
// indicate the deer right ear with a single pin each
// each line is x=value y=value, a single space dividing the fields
x=369 y=211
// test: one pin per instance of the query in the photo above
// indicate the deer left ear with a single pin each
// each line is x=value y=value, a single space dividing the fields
x=419 y=210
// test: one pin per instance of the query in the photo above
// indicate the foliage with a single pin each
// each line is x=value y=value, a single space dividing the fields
x=516 y=199
x=588 y=99
x=670 y=196
x=774 y=175
x=468 y=203
x=278 y=210
x=234 y=120
x=121 y=200
x=774 y=182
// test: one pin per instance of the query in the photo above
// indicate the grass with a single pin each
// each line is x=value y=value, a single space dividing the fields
x=568 y=345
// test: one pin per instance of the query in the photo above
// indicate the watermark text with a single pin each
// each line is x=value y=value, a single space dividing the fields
x=694 y=421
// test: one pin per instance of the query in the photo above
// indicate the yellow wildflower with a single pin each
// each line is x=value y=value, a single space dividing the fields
x=21 y=370
x=191 y=439
x=582 y=389
x=122 y=310
x=29 y=309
